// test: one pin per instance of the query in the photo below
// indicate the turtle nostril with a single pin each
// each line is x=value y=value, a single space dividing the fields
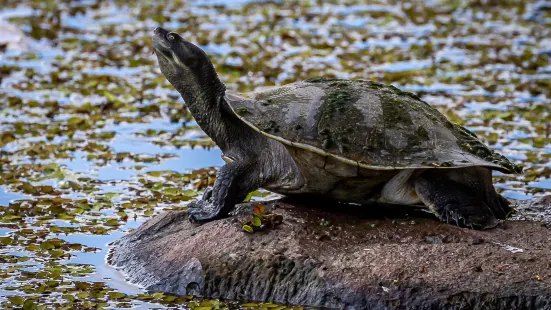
x=157 y=29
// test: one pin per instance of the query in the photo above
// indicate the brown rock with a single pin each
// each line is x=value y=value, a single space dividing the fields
x=362 y=263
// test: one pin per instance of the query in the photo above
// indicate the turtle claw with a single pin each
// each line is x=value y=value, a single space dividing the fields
x=202 y=211
x=473 y=216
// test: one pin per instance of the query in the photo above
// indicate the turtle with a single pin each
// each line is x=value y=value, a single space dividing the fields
x=346 y=140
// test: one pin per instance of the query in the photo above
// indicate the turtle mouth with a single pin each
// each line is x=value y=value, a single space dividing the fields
x=161 y=45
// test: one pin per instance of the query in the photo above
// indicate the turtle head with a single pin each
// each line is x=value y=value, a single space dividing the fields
x=185 y=66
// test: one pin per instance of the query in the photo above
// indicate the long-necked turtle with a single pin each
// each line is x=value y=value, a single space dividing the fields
x=348 y=140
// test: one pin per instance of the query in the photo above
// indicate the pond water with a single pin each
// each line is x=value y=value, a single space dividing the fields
x=93 y=140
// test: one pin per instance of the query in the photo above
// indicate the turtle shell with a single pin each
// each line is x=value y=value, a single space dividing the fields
x=364 y=123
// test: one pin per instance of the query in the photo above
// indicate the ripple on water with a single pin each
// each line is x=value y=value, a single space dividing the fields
x=103 y=271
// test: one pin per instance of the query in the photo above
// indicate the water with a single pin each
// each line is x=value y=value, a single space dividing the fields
x=94 y=139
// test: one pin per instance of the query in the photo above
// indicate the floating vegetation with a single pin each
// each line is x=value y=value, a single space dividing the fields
x=94 y=141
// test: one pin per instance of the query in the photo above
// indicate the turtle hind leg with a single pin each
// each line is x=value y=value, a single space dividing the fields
x=506 y=205
x=454 y=202
x=479 y=179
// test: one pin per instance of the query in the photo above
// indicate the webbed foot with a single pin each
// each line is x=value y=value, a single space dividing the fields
x=464 y=214
x=203 y=211
x=233 y=182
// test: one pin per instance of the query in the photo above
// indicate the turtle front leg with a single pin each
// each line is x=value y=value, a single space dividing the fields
x=233 y=182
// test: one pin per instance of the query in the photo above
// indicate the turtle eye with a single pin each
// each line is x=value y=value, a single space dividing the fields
x=171 y=36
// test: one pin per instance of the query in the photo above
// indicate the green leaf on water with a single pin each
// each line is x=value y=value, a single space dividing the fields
x=6 y=240
x=116 y=295
x=112 y=222
x=189 y=193
x=56 y=253
x=170 y=298
x=158 y=295
x=16 y=300
x=68 y=297
x=82 y=295
x=111 y=195
x=172 y=191
x=109 y=96
x=29 y=305
x=47 y=245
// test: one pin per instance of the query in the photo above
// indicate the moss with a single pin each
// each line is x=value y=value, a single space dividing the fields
x=375 y=140
x=395 y=113
x=411 y=95
x=375 y=85
x=466 y=131
x=418 y=139
x=338 y=117
x=342 y=83
x=243 y=111
x=321 y=80
x=342 y=126
x=422 y=133
x=269 y=127
x=337 y=100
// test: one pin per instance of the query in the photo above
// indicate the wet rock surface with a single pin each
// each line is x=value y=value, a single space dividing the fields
x=347 y=257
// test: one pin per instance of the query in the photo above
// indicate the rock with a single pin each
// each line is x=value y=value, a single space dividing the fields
x=536 y=210
x=345 y=257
